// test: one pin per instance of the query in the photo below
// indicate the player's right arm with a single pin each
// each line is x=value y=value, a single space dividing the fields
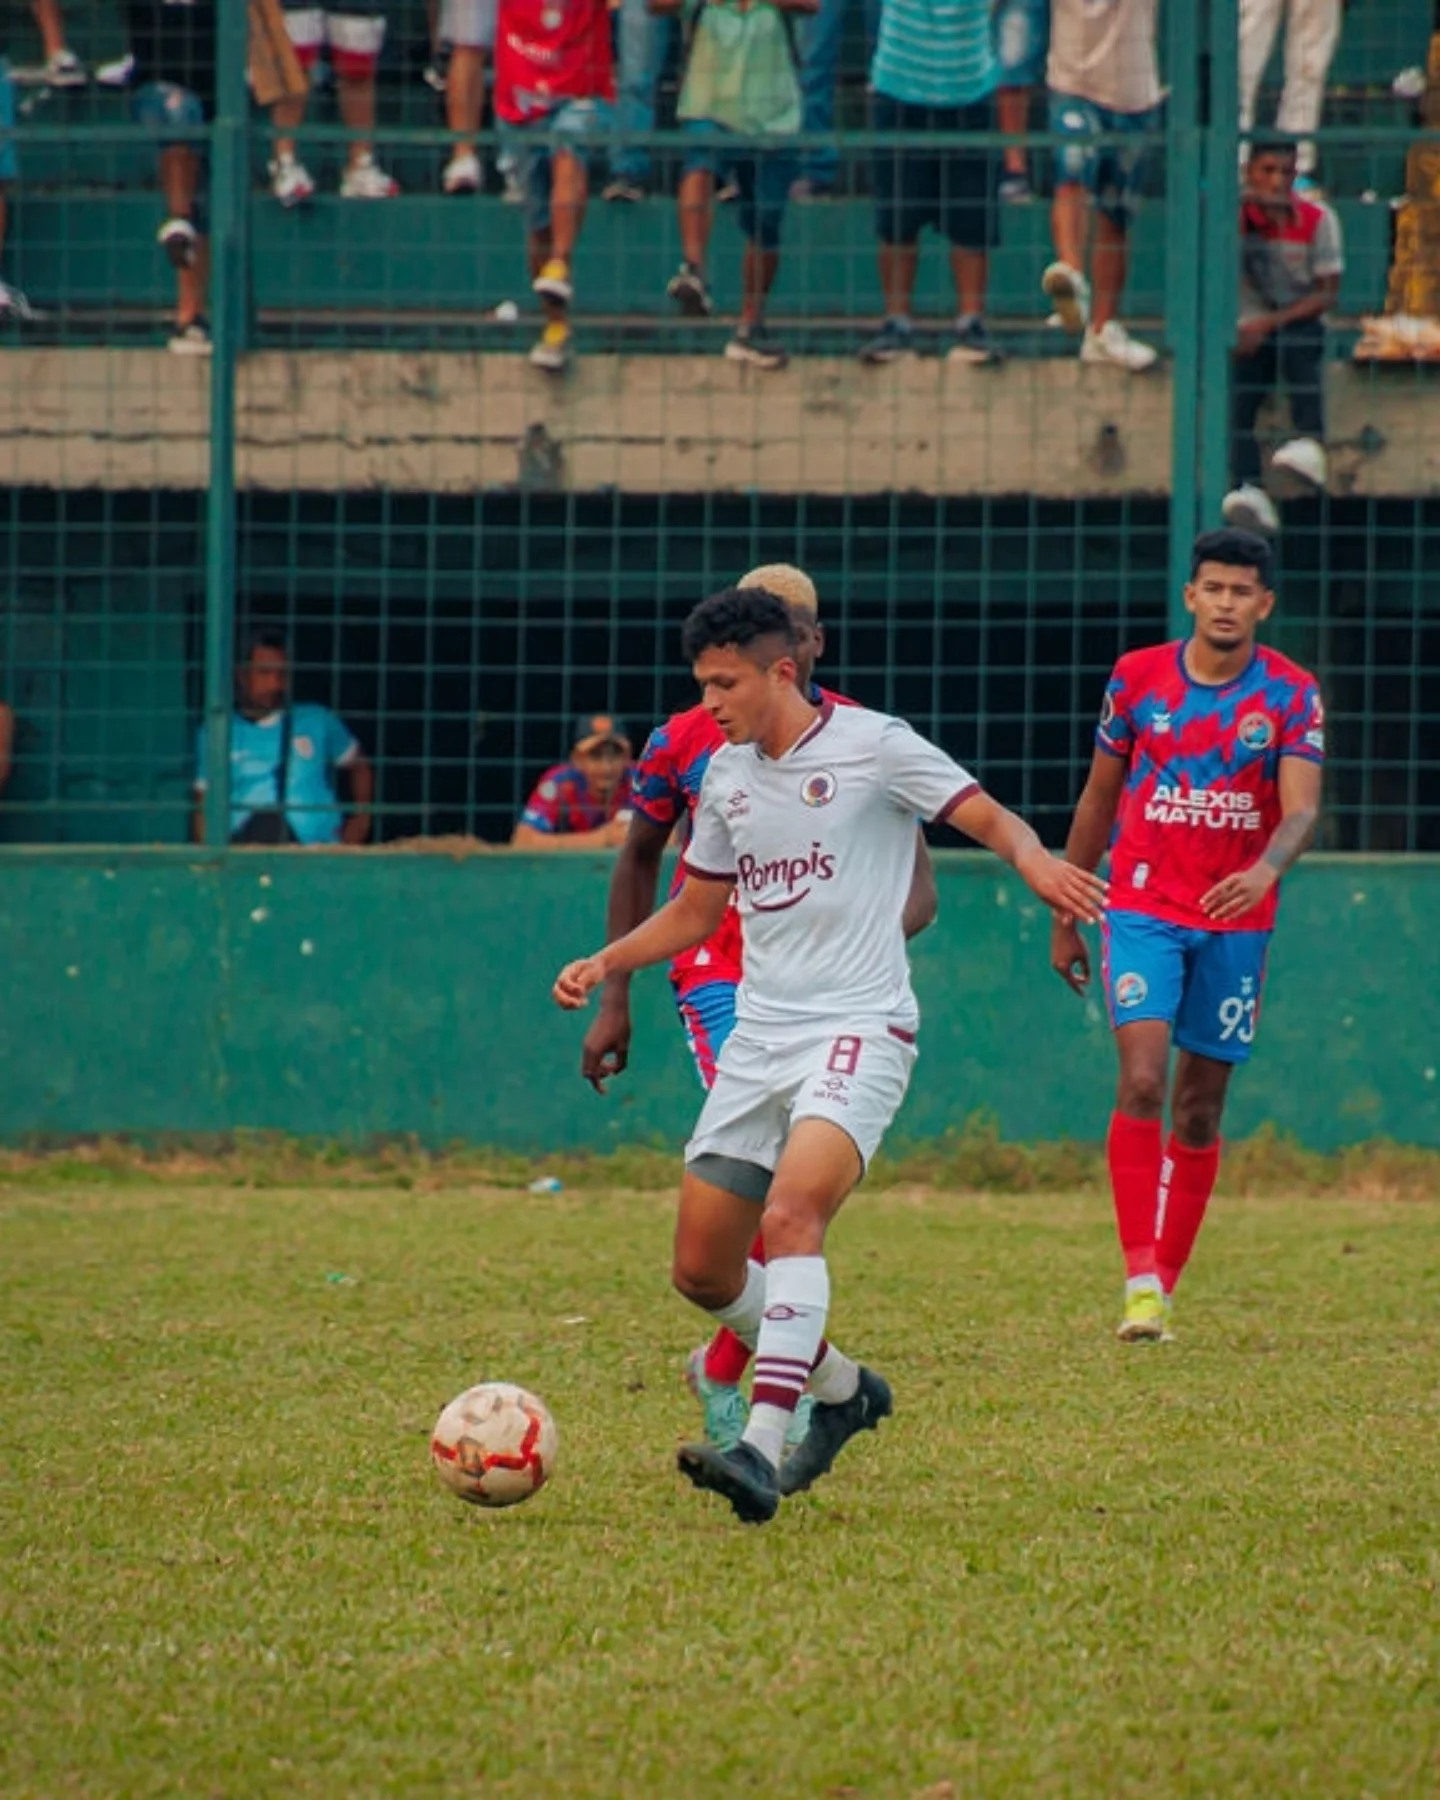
x=691 y=917
x=1059 y=884
x=606 y=1049
x=1089 y=836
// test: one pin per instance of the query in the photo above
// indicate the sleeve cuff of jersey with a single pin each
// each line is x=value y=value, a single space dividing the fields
x=706 y=874
x=538 y=824
x=956 y=799
x=1103 y=743
x=1302 y=755
x=347 y=757
x=649 y=812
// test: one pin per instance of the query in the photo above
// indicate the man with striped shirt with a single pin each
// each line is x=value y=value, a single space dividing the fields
x=935 y=70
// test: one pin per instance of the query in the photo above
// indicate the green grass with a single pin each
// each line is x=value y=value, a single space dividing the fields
x=1063 y=1569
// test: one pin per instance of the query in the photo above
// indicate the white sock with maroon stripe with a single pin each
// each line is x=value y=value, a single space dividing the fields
x=742 y=1315
x=797 y=1297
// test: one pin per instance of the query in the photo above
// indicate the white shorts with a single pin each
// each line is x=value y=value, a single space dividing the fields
x=468 y=24
x=856 y=1081
x=354 y=40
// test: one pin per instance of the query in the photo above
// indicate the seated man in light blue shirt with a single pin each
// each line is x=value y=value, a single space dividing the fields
x=283 y=759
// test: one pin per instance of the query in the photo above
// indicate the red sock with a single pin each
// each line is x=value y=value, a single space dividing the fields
x=726 y=1358
x=1187 y=1181
x=1133 y=1149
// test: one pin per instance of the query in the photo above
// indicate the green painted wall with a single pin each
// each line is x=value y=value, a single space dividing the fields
x=348 y=995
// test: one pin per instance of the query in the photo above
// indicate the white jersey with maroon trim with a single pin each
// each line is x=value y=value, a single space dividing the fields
x=820 y=844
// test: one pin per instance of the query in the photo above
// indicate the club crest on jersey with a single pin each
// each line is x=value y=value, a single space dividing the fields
x=1160 y=720
x=818 y=789
x=737 y=804
x=1130 y=988
x=1256 y=732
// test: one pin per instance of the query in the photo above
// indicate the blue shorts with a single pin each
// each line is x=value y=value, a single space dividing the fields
x=708 y=1015
x=1206 y=984
x=578 y=126
x=9 y=156
x=1110 y=171
x=1022 y=41
x=763 y=177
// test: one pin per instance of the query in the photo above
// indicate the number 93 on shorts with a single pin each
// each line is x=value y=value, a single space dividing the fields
x=855 y=1079
x=1205 y=984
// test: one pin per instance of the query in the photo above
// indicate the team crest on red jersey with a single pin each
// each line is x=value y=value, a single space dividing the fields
x=1256 y=731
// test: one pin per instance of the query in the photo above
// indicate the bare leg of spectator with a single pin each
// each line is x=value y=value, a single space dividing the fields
x=899 y=264
x=758 y=278
x=464 y=99
x=50 y=25
x=1259 y=22
x=1109 y=267
x=179 y=182
x=971 y=270
x=356 y=95
x=569 y=190
x=1311 y=34
x=696 y=199
x=1012 y=111
x=1070 y=224
x=290 y=180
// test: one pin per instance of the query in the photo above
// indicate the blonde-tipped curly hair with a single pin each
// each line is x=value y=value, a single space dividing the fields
x=786 y=583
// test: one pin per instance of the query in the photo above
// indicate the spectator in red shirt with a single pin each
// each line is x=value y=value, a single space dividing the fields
x=554 y=98
x=583 y=804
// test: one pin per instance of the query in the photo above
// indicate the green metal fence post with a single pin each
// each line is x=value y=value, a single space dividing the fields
x=1184 y=254
x=229 y=142
x=1220 y=262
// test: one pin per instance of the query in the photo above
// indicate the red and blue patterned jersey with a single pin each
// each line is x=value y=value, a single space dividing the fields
x=667 y=788
x=562 y=801
x=1202 y=788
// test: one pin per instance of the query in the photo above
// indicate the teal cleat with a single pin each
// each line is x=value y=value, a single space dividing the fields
x=800 y=1423
x=725 y=1408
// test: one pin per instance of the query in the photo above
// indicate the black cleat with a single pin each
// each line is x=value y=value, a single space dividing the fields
x=742 y=1475
x=831 y=1428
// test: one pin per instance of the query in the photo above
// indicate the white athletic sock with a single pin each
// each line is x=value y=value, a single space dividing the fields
x=834 y=1378
x=743 y=1315
x=797 y=1298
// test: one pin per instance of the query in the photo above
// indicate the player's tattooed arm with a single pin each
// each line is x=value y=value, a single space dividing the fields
x=1236 y=895
x=605 y=1051
x=1078 y=892
x=691 y=917
x=1089 y=834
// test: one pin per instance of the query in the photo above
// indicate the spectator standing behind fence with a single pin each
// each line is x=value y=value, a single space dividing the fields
x=173 y=43
x=284 y=757
x=352 y=42
x=1291 y=261
x=740 y=79
x=1022 y=41
x=468 y=27
x=1312 y=30
x=582 y=804
x=555 y=100
x=934 y=71
x=62 y=68
x=13 y=304
x=643 y=46
x=1103 y=79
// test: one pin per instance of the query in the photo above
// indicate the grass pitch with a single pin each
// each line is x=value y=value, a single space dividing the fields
x=1065 y=1568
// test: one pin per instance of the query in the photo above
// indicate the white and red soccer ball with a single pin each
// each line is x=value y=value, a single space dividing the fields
x=494 y=1445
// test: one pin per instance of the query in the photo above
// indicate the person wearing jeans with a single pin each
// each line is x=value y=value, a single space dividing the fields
x=643 y=40
x=1291 y=263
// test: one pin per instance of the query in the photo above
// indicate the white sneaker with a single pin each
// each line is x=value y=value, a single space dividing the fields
x=1305 y=461
x=462 y=174
x=1250 y=508
x=366 y=180
x=1069 y=291
x=14 y=305
x=64 y=70
x=191 y=340
x=290 y=181
x=1113 y=344
x=180 y=241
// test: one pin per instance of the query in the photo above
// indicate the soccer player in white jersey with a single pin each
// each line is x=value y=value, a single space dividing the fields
x=808 y=814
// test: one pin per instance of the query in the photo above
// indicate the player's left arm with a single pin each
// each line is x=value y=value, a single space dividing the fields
x=691 y=917
x=1079 y=892
x=922 y=903
x=1236 y=895
x=360 y=774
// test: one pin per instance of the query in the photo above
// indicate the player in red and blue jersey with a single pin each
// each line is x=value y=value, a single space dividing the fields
x=665 y=791
x=1205 y=785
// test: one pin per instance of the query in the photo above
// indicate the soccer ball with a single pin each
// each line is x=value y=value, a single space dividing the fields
x=494 y=1445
